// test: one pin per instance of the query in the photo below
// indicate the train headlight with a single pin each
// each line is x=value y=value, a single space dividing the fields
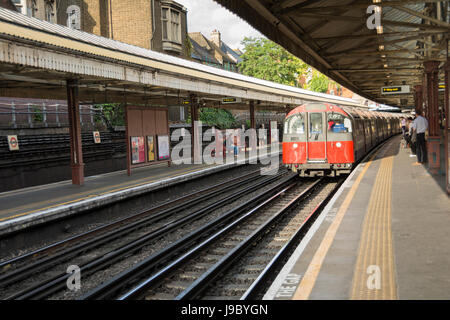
x=338 y=144
x=295 y=146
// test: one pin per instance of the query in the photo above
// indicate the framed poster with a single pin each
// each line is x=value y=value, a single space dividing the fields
x=163 y=147
x=137 y=150
x=151 y=148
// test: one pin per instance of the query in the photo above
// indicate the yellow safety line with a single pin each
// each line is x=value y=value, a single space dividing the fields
x=376 y=248
x=309 y=279
x=90 y=196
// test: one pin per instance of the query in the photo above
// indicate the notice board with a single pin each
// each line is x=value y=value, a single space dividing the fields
x=146 y=126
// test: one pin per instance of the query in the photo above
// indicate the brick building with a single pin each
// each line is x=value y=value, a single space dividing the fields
x=41 y=9
x=159 y=25
x=214 y=51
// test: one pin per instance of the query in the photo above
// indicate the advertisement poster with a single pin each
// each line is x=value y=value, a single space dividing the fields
x=163 y=147
x=137 y=150
x=151 y=148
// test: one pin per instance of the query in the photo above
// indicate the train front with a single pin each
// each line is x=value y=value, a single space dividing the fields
x=318 y=140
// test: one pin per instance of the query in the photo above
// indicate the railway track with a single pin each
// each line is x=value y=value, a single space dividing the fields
x=264 y=232
x=145 y=228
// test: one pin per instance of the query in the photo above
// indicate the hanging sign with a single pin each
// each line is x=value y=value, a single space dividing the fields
x=395 y=90
x=231 y=100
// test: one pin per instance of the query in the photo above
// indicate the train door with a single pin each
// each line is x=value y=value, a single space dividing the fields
x=316 y=137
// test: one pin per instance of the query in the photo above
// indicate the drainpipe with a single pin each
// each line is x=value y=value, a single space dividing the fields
x=153 y=23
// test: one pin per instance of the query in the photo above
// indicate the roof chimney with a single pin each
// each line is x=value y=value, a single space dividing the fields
x=215 y=38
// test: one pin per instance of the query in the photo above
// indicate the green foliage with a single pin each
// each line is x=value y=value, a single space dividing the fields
x=112 y=114
x=318 y=83
x=38 y=116
x=266 y=60
x=220 y=118
x=188 y=45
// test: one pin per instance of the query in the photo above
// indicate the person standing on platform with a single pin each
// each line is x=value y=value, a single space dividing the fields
x=420 y=125
x=412 y=139
x=404 y=126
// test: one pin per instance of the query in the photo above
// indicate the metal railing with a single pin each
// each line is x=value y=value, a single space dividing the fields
x=31 y=115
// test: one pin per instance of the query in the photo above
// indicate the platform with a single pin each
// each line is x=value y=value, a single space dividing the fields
x=383 y=236
x=28 y=207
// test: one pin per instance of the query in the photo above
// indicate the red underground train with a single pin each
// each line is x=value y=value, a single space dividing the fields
x=324 y=139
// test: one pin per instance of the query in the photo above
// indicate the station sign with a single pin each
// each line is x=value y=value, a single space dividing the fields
x=96 y=135
x=229 y=100
x=395 y=90
x=13 y=143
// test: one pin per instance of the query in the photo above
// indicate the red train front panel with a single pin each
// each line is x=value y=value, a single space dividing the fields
x=318 y=140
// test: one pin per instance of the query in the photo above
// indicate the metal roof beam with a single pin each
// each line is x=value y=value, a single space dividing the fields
x=423 y=16
x=357 y=5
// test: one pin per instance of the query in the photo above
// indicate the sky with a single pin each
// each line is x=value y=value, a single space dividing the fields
x=206 y=15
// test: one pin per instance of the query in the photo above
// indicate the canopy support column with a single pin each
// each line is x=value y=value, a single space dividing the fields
x=447 y=124
x=252 y=115
x=418 y=98
x=196 y=131
x=76 y=152
x=432 y=102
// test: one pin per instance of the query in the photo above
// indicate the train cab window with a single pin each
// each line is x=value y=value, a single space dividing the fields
x=315 y=123
x=295 y=124
x=338 y=123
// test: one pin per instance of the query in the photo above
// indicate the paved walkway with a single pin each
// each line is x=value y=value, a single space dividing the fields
x=383 y=236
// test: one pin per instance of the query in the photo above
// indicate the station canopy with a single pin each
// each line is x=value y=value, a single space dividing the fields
x=334 y=37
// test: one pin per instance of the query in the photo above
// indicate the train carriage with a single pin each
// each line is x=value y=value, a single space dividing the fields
x=324 y=139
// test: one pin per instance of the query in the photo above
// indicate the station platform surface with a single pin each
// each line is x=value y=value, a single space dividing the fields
x=27 y=207
x=383 y=236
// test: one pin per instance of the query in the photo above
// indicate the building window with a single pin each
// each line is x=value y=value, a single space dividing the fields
x=74 y=17
x=171 y=25
x=31 y=8
x=49 y=11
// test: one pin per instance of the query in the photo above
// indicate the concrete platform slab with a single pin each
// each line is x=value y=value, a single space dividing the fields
x=20 y=209
x=382 y=236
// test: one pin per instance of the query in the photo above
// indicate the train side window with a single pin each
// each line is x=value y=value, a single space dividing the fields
x=295 y=124
x=339 y=123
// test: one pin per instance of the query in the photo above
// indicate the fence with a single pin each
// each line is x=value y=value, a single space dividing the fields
x=43 y=115
x=260 y=117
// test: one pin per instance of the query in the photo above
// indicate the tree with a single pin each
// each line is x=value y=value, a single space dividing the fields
x=319 y=82
x=266 y=60
x=112 y=114
x=220 y=118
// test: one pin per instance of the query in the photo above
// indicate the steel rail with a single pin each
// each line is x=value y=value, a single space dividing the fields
x=277 y=260
x=58 y=282
x=159 y=276
x=109 y=288
x=227 y=261
x=155 y=215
